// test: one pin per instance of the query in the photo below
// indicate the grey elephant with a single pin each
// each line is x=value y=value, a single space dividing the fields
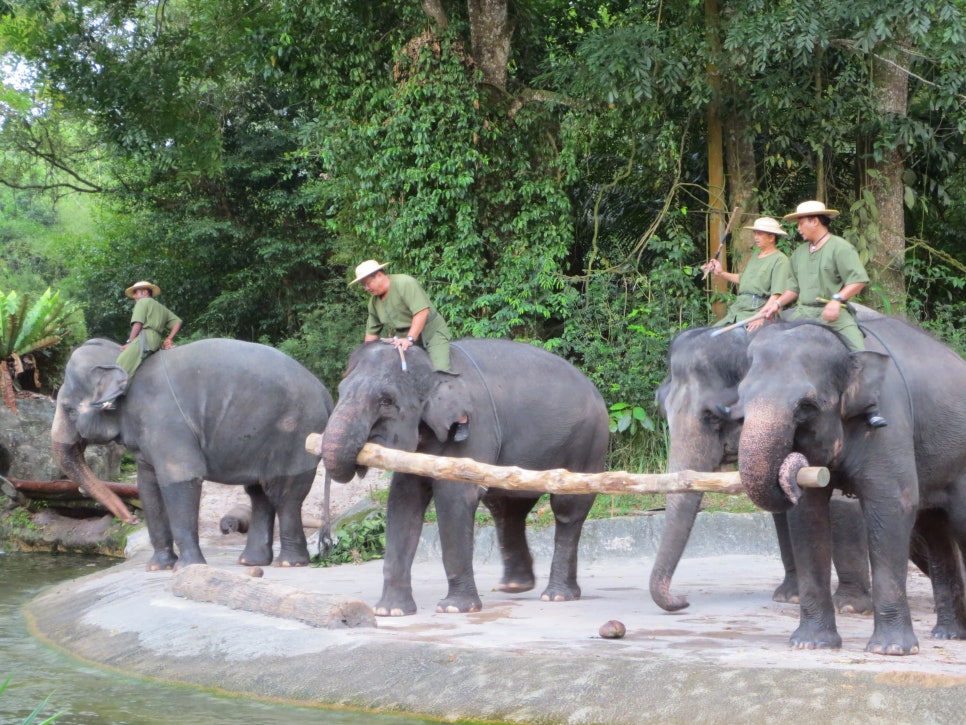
x=804 y=398
x=527 y=408
x=222 y=410
x=704 y=369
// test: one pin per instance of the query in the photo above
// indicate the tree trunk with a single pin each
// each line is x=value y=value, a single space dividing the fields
x=490 y=33
x=740 y=157
x=716 y=177
x=888 y=251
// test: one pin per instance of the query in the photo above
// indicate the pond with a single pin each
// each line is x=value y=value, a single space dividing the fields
x=89 y=695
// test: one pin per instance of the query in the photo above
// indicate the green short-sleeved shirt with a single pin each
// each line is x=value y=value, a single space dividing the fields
x=393 y=316
x=820 y=275
x=156 y=324
x=761 y=278
x=825 y=272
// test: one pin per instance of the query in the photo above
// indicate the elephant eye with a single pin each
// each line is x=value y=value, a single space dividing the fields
x=712 y=420
x=386 y=401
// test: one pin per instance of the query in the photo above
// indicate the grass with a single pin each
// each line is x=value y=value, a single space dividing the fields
x=606 y=506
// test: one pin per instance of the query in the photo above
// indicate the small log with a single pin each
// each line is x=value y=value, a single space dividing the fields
x=203 y=583
x=557 y=480
x=238 y=519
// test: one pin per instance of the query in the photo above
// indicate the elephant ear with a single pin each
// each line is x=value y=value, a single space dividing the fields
x=867 y=371
x=109 y=381
x=445 y=404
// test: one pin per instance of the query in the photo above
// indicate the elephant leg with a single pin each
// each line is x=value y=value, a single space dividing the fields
x=510 y=518
x=287 y=495
x=570 y=513
x=182 y=499
x=945 y=574
x=159 y=530
x=261 y=529
x=456 y=505
x=787 y=591
x=682 y=510
x=889 y=523
x=409 y=496
x=850 y=556
x=810 y=531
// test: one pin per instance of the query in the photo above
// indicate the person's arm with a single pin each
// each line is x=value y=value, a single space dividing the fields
x=133 y=335
x=718 y=271
x=834 y=306
x=168 y=341
x=777 y=304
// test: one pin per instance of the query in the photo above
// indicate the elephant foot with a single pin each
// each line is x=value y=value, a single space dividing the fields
x=943 y=630
x=895 y=648
x=852 y=599
x=787 y=591
x=807 y=638
x=292 y=558
x=459 y=605
x=256 y=557
x=395 y=606
x=162 y=561
x=557 y=593
x=516 y=586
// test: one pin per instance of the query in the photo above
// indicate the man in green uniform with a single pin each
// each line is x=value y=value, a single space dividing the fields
x=825 y=273
x=400 y=309
x=764 y=278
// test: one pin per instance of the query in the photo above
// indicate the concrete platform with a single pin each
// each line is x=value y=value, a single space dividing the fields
x=725 y=659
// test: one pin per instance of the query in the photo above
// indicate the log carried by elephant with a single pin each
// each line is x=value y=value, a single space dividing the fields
x=557 y=480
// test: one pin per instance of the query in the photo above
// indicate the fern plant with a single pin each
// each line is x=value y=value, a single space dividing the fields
x=26 y=327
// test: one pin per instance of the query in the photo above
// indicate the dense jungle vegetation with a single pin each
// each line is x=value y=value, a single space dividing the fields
x=554 y=172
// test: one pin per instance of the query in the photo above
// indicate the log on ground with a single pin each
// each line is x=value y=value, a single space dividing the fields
x=202 y=583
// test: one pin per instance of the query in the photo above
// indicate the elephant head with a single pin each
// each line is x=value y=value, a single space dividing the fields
x=384 y=401
x=802 y=390
x=90 y=377
x=696 y=399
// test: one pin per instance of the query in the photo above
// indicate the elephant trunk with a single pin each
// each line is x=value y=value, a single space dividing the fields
x=766 y=440
x=343 y=439
x=69 y=454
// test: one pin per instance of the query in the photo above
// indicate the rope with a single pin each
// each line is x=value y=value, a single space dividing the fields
x=177 y=402
x=496 y=417
x=902 y=375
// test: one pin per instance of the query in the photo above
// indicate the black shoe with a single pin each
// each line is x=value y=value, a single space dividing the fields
x=461 y=432
x=875 y=420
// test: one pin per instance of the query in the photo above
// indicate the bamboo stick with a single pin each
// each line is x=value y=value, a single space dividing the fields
x=556 y=480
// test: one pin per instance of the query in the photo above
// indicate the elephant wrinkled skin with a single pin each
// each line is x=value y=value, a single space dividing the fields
x=806 y=392
x=222 y=410
x=696 y=398
x=526 y=408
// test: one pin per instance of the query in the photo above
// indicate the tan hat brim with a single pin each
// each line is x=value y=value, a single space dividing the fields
x=155 y=290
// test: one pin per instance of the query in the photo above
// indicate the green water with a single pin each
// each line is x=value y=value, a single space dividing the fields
x=88 y=695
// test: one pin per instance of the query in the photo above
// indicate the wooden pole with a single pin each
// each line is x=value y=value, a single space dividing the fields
x=557 y=480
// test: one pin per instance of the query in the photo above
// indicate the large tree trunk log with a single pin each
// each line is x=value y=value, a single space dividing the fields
x=41 y=489
x=203 y=583
x=557 y=480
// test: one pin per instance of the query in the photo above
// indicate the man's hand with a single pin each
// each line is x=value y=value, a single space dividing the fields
x=830 y=313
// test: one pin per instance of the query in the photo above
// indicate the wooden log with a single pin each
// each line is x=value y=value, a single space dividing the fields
x=557 y=480
x=65 y=486
x=203 y=583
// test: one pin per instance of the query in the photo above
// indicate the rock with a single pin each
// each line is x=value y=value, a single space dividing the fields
x=612 y=629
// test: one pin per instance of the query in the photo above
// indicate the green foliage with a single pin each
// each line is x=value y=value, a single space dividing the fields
x=26 y=326
x=357 y=541
x=32 y=717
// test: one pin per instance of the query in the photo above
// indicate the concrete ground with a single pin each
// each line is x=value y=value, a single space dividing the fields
x=724 y=659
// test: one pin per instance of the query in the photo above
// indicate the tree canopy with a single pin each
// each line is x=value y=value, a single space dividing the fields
x=548 y=170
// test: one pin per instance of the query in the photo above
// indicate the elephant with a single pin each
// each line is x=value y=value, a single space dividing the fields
x=217 y=409
x=526 y=407
x=704 y=369
x=804 y=398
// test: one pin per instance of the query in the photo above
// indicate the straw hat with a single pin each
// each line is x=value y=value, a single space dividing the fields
x=155 y=290
x=768 y=225
x=370 y=266
x=811 y=208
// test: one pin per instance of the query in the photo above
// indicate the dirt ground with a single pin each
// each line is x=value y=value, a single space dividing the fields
x=217 y=499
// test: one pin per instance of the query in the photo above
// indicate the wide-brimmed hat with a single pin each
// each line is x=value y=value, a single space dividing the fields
x=370 y=266
x=155 y=290
x=768 y=225
x=811 y=208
